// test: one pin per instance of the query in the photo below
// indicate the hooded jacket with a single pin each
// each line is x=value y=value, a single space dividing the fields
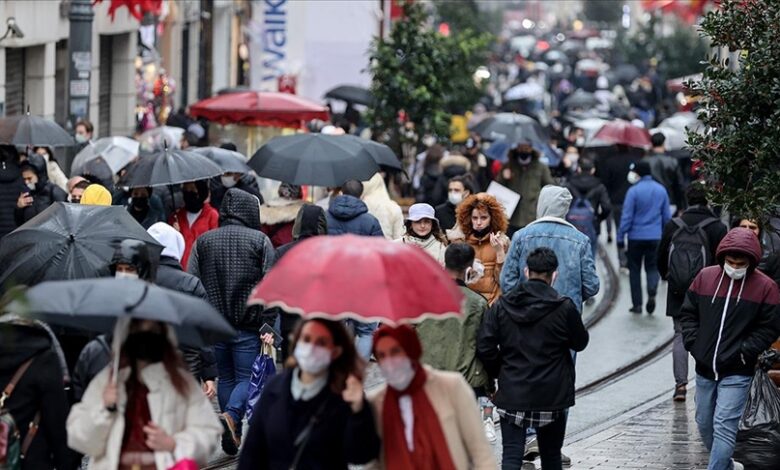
x=190 y=419
x=277 y=218
x=233 y=258
x=528 y=181
x=310 y=221
x=44 y=195
x=386 y=211
x=452 y=165
x=577 y=277
x=41 y=389
x=525 y=341
x=348 y=214
x=11 y=186
x=725 y=323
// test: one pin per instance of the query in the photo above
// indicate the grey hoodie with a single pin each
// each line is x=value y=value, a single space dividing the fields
x=554 y=201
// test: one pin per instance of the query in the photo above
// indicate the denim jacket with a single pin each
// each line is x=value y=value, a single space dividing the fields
x=577 y=278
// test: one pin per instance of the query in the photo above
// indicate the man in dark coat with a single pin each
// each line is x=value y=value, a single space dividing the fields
x=458 y=189
x=584 y=183
x=219 y=186
x=230 y=260
x=40 y=391
x=666 y=170
x=525 y=341
x=40 y=192
x=730 y=315
x=698 y=212
x=200 y=361
x=348 y=214
x=11 y=186
x=145 y=207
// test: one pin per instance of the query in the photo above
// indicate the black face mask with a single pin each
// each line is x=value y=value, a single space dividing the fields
x=146 y=346
x=140 y=203
x=192 y=202
x=524 y=158
x=481 y=233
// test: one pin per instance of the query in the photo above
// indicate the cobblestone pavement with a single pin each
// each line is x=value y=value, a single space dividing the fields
x=662 y=436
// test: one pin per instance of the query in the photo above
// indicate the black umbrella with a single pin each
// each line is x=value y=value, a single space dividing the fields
x=510 y=127
x=580 y=99
x=68 y=241
x=228 y=160
x=351 y=94
x=381 y=153
x=33 y=131
x=96 y=305
x=314 y=159
x=170 y=166
x=625 y=73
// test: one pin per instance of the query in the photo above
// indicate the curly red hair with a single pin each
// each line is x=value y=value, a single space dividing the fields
x=485 y=202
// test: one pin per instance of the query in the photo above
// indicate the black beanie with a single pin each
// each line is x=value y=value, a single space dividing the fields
x=643 y=168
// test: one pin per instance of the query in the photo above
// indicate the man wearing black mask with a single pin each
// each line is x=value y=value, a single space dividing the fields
x=196 y=217
x=145 y=207
x=525 y=175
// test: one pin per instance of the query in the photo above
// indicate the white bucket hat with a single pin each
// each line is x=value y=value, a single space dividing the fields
x=421 y=211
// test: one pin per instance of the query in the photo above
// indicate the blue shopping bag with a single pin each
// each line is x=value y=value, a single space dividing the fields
x=263 y=369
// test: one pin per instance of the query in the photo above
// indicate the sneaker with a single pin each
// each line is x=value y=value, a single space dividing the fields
x=679 y=393
x=531 y=450
x=565 y=460
x=490 y=430
x=650 y=305
x=590 y=301
x=636 y=310
x=737 y=465
x=230 y=441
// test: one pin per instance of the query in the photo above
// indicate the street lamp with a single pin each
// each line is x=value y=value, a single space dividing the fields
x=13 y=29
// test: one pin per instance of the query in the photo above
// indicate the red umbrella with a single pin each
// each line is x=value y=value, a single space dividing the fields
x=363 y=278
x=623 y=133
x=258 y=108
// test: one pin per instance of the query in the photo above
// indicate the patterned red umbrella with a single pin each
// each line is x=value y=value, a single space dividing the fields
x=257 y=108
x=623 y=133
x=363 y=278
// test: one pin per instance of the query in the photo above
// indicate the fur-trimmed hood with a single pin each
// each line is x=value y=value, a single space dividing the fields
x=455 y=160
x=280 y=211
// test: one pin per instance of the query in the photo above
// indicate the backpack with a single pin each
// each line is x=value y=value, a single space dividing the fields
x=582 y=214
x=689 y=252
x=12 y=450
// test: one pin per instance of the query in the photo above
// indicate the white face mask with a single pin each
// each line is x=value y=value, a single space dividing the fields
x=124 y=275
x=80 y=138
x=475 y=272
x=30 y=186
x=455 y=198
x=633 y=177
x=579 y=142
x=398 y=372
x=733 y=272
x=312 y=359
x=228 y=181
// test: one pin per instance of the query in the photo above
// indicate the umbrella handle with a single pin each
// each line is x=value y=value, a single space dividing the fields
x=130 y=308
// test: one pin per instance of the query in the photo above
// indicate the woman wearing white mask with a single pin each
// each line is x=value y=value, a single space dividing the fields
x=314 y=414
x=427 y=418
x=423 y=231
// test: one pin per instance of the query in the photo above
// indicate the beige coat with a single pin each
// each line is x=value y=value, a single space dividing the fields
x=386 y=211
x=191 y=421
x=456 y=406
x=432 y=246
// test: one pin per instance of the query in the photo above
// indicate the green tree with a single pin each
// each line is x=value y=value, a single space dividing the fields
x=603 y=11
x=741 y=103
x=424 y=74
x=462 y=15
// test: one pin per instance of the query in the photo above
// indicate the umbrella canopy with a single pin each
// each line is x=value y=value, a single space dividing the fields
x=68 y=241
x=675 y=139
x=117 y=152
x=681 y=121
x=168 y=167
x=314 y=159
x=555 y=56
x=381 y=153
x=27 y=130
x=228 y=160
x=253 y=108
x=525 y=91
x=580 y=99
x=590 y=126
x=621 y=132
x=510 y=127
x=96 y=305
x=159 y=137
x=386 y=281
x=351 y=94
x=625 y=73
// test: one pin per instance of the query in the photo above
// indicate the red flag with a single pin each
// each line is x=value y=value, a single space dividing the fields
x=137 y=8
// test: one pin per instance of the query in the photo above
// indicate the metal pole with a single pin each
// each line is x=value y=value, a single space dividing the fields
x=80 y=55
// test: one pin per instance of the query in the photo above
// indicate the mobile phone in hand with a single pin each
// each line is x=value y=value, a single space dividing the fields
x=268 y=329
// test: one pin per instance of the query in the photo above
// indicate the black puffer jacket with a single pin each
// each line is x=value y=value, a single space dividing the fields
x=45 y=194
x=247 y=183
x=348 y=214
x=666 y=170
x=232 y=259
x=41 y=389
x=524 y=341
x=200 y=361
x=310 y=221
x=11 y=186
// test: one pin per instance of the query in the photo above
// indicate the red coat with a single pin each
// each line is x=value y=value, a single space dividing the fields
x=207 y=220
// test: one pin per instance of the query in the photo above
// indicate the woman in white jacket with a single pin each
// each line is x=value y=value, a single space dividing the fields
x=386 y=211
x=423 y=231
x=153 y=416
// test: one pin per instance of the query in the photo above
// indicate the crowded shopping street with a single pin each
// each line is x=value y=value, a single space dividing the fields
x=389 y=234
